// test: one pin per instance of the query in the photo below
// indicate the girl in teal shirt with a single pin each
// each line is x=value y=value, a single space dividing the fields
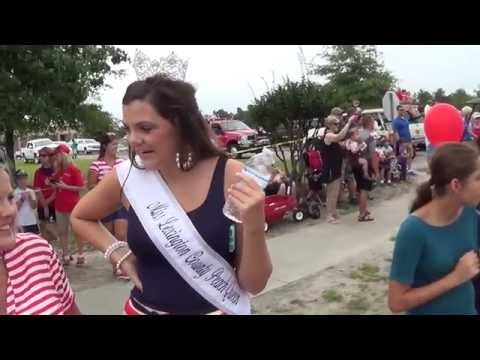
x=435 y=256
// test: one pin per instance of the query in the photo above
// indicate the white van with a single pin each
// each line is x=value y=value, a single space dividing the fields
x=86 y=146
x=32 y=148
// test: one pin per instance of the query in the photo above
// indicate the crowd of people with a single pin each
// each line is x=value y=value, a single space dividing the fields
x=355 y=157
x=183 y=256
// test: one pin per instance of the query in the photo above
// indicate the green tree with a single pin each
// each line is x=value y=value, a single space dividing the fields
x=95 y=122
x=440 y=96
x=244 y=115
x=422 y=96
x=459 y=98
x=43 y=87
x=477 y=91
x=288 y=111
x=222 y=114
x=354 y=72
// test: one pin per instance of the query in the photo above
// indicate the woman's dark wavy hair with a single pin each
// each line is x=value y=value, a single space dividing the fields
x=104 y=140
x=175 y=101
x=450 y=161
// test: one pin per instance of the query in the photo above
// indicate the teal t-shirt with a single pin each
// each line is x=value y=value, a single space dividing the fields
x=424 y=254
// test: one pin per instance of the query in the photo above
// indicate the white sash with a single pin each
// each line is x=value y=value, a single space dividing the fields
x=175 y=236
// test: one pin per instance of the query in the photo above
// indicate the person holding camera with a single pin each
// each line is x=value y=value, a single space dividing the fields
x=68 y=181
x=45 y=194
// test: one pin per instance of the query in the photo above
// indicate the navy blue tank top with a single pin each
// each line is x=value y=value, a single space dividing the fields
x=163 y=288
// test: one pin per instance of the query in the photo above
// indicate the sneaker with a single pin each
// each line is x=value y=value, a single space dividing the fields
x=382 y=182
x=412 y=173
x=121 y=275
x=389 y=182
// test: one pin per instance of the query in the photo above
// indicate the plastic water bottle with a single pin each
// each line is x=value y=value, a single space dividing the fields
x=257 y=169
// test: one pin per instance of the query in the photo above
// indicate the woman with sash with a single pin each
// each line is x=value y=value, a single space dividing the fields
x=182 y=254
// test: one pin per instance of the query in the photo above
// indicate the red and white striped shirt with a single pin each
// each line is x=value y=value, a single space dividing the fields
x=101 y=168
x=36 y=281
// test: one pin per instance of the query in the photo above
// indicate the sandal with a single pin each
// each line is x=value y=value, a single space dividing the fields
x=366 y=217
x=66 y=260
x=332 y=220
x=80 y=260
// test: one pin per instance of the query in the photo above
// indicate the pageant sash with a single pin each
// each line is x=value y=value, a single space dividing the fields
x=175 y=236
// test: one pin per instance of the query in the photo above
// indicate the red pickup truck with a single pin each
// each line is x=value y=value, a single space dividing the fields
x=234 y=136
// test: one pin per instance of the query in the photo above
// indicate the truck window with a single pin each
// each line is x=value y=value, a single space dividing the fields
x=235 y=125
x=217 y=129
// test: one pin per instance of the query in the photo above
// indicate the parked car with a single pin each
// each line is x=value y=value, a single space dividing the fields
x=32 y=148
x=234 y=136
x=86 y=146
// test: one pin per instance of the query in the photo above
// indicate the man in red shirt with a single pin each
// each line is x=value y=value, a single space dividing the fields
x=45 y=194
x=68 y=181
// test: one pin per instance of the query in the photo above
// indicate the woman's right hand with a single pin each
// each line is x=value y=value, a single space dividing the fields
x=467 y=267
x=129 y=266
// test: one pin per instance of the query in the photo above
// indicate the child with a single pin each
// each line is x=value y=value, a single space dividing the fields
x=475 y=125
x=386 y=156
x=356 y=148
x=27 y=205
x=403 y=155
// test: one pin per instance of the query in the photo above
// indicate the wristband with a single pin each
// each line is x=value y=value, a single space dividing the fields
x=122 y=259
x=116 y=245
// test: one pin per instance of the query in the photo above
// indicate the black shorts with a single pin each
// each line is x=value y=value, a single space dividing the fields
x=362 y=183
x=31 y=229
x=51 y=210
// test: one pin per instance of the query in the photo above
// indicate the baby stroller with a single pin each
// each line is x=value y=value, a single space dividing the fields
x=396 y=169
x=311 y=204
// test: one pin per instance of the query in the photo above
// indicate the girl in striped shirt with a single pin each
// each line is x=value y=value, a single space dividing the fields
x=32 y=279
x=116 y=223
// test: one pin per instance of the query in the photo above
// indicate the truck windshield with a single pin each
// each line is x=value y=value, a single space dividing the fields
x=234 y=125
x=43 y=143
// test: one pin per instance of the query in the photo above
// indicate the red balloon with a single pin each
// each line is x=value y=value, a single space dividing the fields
x=443 y=123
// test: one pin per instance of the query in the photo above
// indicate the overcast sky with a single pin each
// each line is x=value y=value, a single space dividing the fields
x=228 y=76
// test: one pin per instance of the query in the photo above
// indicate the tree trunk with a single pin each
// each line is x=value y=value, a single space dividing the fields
x=10 y=147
